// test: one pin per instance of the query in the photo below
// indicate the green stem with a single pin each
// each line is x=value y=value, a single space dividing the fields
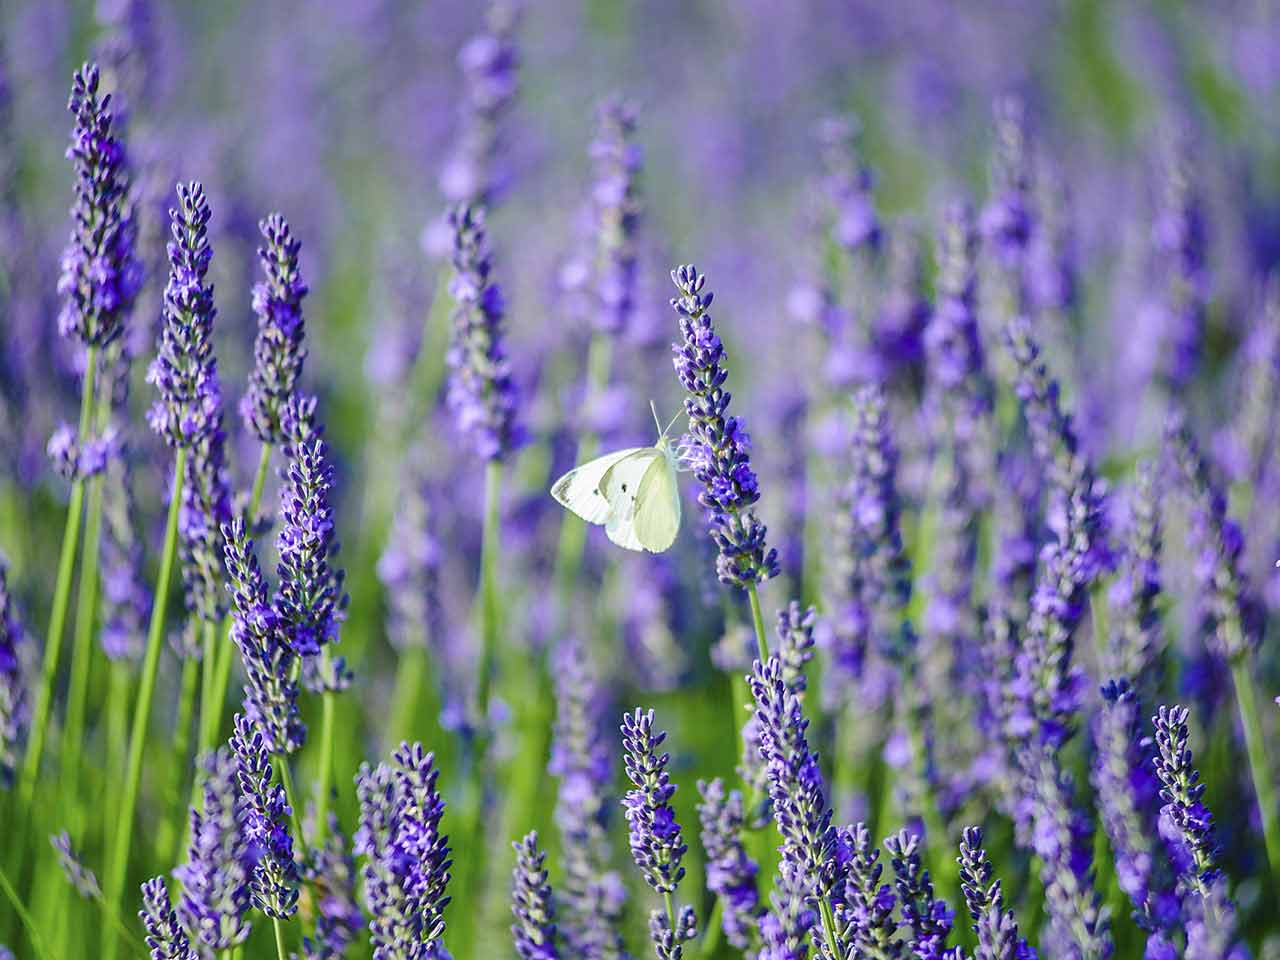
x=489 y=588
x=86 y=619
x=411 y=672
x=1101 y=625
x=172 y=829
x=119 y=853
x=712 y=937
x=1259 y=767
x=211 y=708
x=286 y=780
x=829 y=926
x=61 y=596
x=326 y=761
x=117 y=734
x=33 y=929
x=757 y=621
x=281 y=953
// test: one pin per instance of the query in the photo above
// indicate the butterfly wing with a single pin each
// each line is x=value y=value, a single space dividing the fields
x=581 y=490
x=657 y=507
x=621 y=487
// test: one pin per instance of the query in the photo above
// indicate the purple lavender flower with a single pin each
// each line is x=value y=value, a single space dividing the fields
x=310 y=603
x=63 y=450
x=656 y=844
x=1007 y=219
x=617 y=161
x=591 y=895
x=1228 y=607
x=409 y=570
x=78 y=875
x=897 y=337
x=996 y=927
x=100 y=273
x=795 y=644
x=278 y=351
x=864 y=913
x=271 y=690
x=846 y=187
x=1179 y=257
x=126 y=597
x=785 y=928
x=184 y=371
x=14 y=709
x=206 y=506
x=1185 y=821
x=1127 y=790
x=929 y=918
x=273 y=884
x=532 y=903
x=406 y=870
x=717 y=447
x=331 y=871
x=489 y=62
x=482 y=393
x=1136 y=638
x=795 y=785
x=215 y=878
x=731 y=873
x=1076 y=509
x=165 y=936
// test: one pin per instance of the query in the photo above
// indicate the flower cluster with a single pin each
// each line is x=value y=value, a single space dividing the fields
x=278 y=351
x=482 y=393
x=331 y=869
x=995 y=927
x=84 y=880
x=406 y=869
x=717 y=446
x=532 y=903
x=215 y=878
x=101 y=273
x=165 y=937
x=126 y=597
x=273 y=883
x=795 y=644
x=271 y=690
x=1185 y=820
x=617 y=160
x=731 y=873
x=1136 y=639
x=14 y=710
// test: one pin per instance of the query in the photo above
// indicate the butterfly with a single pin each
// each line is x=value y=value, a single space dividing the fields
x=633 y=492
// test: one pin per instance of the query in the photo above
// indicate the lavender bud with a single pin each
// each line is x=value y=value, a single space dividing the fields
x=731 y=873
x=278 y=351
x=14 y=708
x=271 y=690
x=406 y=870
x=656 y=844
x=785 y=928
x=1184 y=819
x=215 y=878
x=273 y=885
x=532 y=903
x=78 y=875
x=795 y=644
x=929 y=918
x=717 y=447
x=64 y=451
x=996 y=927
x=100 y=272
x=481 y=393
x=165 y=937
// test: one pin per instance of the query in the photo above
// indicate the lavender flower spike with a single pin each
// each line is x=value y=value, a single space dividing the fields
x=215 y=878
x=996 y=927
x=865 y=912
x=101 y=274
x=656 y=844
x=406 y=870
x=534 y=931
x=784 y=930
x=165 y=936
x=731 y=873
x=13 y=686
x=617 y=161
x=1185 y=820
x=278 y=351
x=929 y=918
x=78 y=875
x=481 y=393
x=271 y=691
x=273 y=886
x=717 y=446
x=795 y=644
x=796 y=789
x=333 y=870
x=310 y=602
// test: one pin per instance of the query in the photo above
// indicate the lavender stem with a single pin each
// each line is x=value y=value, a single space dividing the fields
x=757 y=619
x=295 y=824
x=211 y=712
x=1259 y=768
x=489 y=587
x=281 y=953
x=326 y=759
x=61 y=596
x=171 y=831
x=142 y=709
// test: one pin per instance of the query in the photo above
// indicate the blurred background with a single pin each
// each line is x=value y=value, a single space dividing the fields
x=1140 y=122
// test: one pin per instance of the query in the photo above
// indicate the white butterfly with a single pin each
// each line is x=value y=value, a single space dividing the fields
x=633 y=492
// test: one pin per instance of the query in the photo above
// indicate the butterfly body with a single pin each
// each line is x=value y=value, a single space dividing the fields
x=633 y=493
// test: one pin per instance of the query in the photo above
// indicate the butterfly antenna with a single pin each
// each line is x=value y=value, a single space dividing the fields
x=656 y=422
x=672 y=423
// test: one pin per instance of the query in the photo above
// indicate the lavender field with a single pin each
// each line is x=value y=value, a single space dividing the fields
x=964 y=646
